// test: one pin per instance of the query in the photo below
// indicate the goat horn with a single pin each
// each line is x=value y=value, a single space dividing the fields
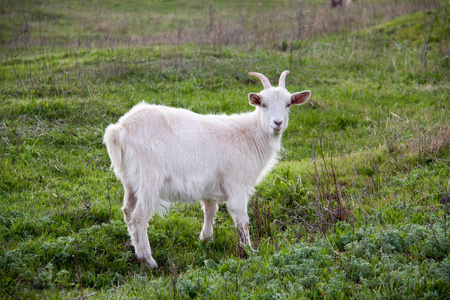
x=281 y=83
x=265 y=82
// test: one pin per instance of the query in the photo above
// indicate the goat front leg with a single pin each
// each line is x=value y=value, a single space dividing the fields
x=237 y=207
x=209 y=209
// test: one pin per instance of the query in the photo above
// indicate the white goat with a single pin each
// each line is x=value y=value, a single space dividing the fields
x=163 y=155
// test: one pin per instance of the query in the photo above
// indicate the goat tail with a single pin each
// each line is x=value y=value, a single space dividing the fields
x=112 y=140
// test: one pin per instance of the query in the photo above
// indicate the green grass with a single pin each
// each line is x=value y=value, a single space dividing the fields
x=377 y=126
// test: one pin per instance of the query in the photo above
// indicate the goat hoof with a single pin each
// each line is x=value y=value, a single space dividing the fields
x=205 y=237
x=250 y=249
x=151 y=263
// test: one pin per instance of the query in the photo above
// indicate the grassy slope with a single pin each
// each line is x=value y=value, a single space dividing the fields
x=374 y=109
x=112 y=23
x=98 y=22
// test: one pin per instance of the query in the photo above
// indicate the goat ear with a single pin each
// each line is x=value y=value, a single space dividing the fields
x=254 y=99
x=300 y=97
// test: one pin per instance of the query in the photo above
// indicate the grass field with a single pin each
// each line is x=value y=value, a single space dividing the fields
x=352 y=209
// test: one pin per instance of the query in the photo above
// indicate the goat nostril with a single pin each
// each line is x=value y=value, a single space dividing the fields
x=278 y=123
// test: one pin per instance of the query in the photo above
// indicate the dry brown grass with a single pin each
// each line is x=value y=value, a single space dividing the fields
x=295 y=22
x=431 y=142
x=259 y=25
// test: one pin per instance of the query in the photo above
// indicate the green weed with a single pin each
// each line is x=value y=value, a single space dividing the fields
x=374 y=139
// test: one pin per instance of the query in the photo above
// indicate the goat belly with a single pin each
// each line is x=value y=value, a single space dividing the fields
x=190 y=189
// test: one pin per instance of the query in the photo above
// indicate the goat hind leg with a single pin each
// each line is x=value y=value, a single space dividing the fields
x=129 y=203
x=139 y=237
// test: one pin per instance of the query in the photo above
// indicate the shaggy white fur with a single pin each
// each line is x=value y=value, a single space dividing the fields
x=163 y=155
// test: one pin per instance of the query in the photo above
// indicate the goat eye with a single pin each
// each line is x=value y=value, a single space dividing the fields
x=263 y=105
x=288 y=105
